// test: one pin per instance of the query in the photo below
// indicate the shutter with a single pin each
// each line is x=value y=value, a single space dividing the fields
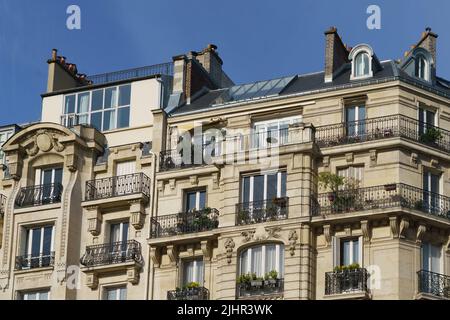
x=126 y=167
x=37 y=177
x=360 y=250
x=336 y=251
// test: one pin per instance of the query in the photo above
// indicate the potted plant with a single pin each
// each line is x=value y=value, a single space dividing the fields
x=244 y=216
x=255 y=281
x=431 y=135
x=331 y=181
x=270 y=278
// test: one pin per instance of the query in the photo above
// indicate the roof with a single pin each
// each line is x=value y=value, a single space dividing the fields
x=302 y=85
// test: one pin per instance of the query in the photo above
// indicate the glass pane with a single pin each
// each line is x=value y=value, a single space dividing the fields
x=258 y=188
x=430 y=118
x=30 y=296
x=256 y=266
x=246 y=189
x=366 y=64
x=83 y=119
x=47 y=243
x=110 y=97
x=58 y=175
x=425 y=257
x=97 y=100
x=350 y=117
x=244 y=262
x=43 y=295
x=123 y=293
x=345 y=253
x=272 y=182
x=270 y=258
x=109 y=120
x=83 y=102
x=124 y=95
x=47 y=176
x=96 y=120
x=191 y=201
x=123 y=120
x=435 y=253
x=202 y=200
x=283 y=184
x=188 y=272
x=199 y=272
x=355 y=251
x=125 y=232
x=115 y=232
x=69 y=105
x=111 y=294
x=36 y=243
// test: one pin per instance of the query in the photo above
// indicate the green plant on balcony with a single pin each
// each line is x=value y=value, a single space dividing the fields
x=351 y=267
x=244 y=216
x=431 y=135
x=202 y=220
x=343 y=192
x=270 y=278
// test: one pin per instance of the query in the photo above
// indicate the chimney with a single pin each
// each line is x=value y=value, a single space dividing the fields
x=336 y=53
x=62 y=74
x=428 y=41
x=196 y=70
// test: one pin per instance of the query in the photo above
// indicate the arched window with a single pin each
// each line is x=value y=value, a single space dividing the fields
x=262 y=259
x=421 y=67
x=362 y=65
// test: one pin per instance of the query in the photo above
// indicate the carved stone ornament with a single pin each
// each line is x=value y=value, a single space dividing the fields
x=248 y=235
x=229 y=246
x=292 y=237
x=44 y=141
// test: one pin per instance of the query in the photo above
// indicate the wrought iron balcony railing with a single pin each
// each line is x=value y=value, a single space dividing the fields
x=386 y=196
x=117 y=186
x=262 y=211
x=112 y=253
x=260 y=288
x=434 y=283
x=31 y=261
x=346 y=281
x=2 y=205
x=199 y=293
x=186 y=222
x=193 y=155
x=39 y=195
x=382 y=128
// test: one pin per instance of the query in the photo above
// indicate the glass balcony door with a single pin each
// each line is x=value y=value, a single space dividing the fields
x=50 y=180
x=124 y=182
x=355 y=117
x=431 y=187
x=118 y=241
x=193 y=271
x=39 y=247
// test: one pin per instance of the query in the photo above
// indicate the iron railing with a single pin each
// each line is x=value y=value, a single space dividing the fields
x=161 y=69
x=386 y=196
x=262 y=211
x=346 y=281
x=188 y=157
x=31 y=261
x=117 y=186
x=112 y=253
x=382 y=128
x=199 y=293
x=260 y=288
x=2 y=205
x=185 y=222
x=39 y=195
x=434 y=283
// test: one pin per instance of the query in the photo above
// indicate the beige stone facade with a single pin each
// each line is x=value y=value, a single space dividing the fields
x=96 y=214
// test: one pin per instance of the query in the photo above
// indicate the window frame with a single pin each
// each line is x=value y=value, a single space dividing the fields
x=337 y=243
x=23 y=295
x=361 y=49
x=279 y=262
x=117 y=288
x=197 y=199
x=265 y=175
x=430 y=257
x=183 y=281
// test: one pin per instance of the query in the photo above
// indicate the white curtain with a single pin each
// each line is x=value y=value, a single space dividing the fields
x=271 y=258
x=256 y=266
x=83 y=103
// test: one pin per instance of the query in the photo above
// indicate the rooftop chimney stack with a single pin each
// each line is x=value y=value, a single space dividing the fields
x=428 y=41
x=336 y=53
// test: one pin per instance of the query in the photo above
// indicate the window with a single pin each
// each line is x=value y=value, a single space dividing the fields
x=259 y=188
x=347 y=251
x=362 y=65
x=431 y=190
x=193 y=271
x=431 y=257
x=427 y=119
x=4 y=136
x=119 y=232
x=355 y=117
x=421 y=67
x=195 y=200
x=38 y=247
x=125 y=182
x=352 y=172
x=118 y=241
x=105 y=109
x=262 y=260
x=116 y=293
x=273 y=132
x=35 y=295
x=50 y=180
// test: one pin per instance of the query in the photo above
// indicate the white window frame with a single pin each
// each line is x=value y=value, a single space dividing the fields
x=426 y=71
x=117 y=289
x=424 y=110
x=441 y=257
x=121 y=228
x=278 y=262
x=265 y=174
x=261 y=128
x=197 y=198
x=195 y=262
x=357 y=119
x=336 y=243
x=24 y=295
x=39 y=177
x=70 y=119
x=353 y=55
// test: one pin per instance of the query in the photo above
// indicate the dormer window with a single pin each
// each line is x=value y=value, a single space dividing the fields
x=421 y=66
x=363 y=62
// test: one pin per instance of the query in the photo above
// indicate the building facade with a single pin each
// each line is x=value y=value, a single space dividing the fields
x=172 y=182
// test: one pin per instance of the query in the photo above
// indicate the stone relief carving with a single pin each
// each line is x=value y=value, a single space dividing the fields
x=44 y=141
x=293 y=237
x=229 y=246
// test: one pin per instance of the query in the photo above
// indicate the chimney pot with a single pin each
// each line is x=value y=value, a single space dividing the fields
x=54 y=54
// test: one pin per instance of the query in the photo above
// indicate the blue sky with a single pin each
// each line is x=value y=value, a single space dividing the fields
x=257 y=39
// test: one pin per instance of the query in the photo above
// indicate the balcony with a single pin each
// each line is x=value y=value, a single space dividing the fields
x=186 y=158
x=2 y=205
x=262 y=211
x=260 y=289
x=383 y=128
x=433 y=284
x=112 y=253
x=39 y=195
x=198 y=293
x=183 y=223
x=382 y=197
x=117 y=186
x=31 y=261
x=350 y=282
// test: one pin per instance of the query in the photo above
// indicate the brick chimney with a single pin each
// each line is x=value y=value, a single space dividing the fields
x=196 y=70
x=336 y=53
x=428 y=41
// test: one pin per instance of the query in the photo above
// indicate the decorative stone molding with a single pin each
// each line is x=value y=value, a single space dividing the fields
x=327 y=234
x=349 y=157
x=447 y=245
x=94 y=218
x=421 y=229
x=160 y=185
x=248 y=235
x=71 y=162
x=172 y=253
x=190 y=250
x=215 y=180
x=348 y=230
x=326 y=161
x=44 y=141
x=229 y=246
x=414 y=159
x=365 y=228
x=393 y=223
x=172 y=184
x=206 y=249
x=272 y=232
x=193 y=180
x=137 y=213
x=155 y=256
x=434 y=163
x=92 y=280
x=133 y=275
x=404 y=225
x=292 y=237
x=373 y=157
